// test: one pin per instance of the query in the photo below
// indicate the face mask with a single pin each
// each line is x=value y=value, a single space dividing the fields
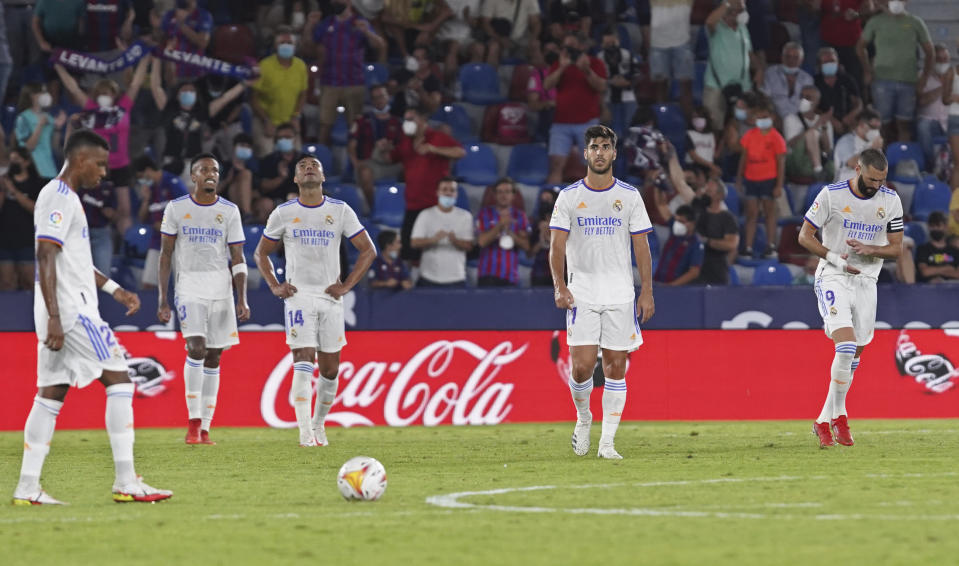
x=412 y=64
x=830 y=69
x=872 y=135
x=105 y=101
x=409 y=127
x=805 y=105
x=897 y=6
x=941 y=69
x=15 y=169
x=740 y=114
x=45 y=99
x=790 y=70
x=679 y=229
x=393 y=255
x=743 y=18
x=446 y=201
x=144 y=182
x=215 y=93
x=298 y=19
x=866 y=191
x=338 y=8
x=284 y=145
x=187 y=98
x=936 y=235
x=551 y=57
x=285 y=50
x=699 y=123
x=764 y=123
x=243 y=153
x=384 y=110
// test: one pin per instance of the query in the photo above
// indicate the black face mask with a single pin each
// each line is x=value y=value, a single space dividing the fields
x=338 y=8
x=935 y=235
x=867 y=192
x=573 y=53
x=551 y=57
x=15 y=169
x=703 y=200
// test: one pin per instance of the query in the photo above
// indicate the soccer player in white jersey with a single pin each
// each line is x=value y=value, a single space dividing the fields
x=205 y=232
x=311 y=228
x=75 y=346
x=861 y=225
x=594 y=223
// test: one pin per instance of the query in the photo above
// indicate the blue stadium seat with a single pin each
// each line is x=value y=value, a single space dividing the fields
x=732 y=200
x=136 y=240
x=480 y=84
x=455 y=116
x=376 y=74
x=670 y=121
x=340 y=134
x=389 y=204
x=325 y=155
x=733 y=277
x=930 y=196
x=896 y=152
x=348 y=194
x=478 y=167
x=811 y=195
x=917 y=231
x=772 y=273
x=462 y=198
x=528 y=164
x=8 y=117
x=252 y=233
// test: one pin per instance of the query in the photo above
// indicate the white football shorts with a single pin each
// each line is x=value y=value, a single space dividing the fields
x=314 y=322
x=89 y=348
x=613 y=327
x=213 y=319
x=848 y=302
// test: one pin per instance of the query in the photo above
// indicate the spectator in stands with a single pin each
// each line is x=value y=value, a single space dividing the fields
x=188 y=27
x=56 y=23
x=937 y=260
x=570 y=16
x=840 y=27
x=105 y=22
x=426 y=155
x=455 y=36
x=579 y=80
x=341 y=40
x=279 y=93
x=681 y=260
x=783 y=83
x=502 y=230
x=418 y=84
x=621 y=68
x=285 y=13
x=719 y=232
x=38 y=131
x=237 y=174
x=897 y=37
x=540 y=275
x=277 y=170
x=809 y=140
x=185 y=120
x=539 y=99
x=99 y=207
x=839 y=92
x=225 y=125
x=373 y=136
x=21 y=43
x=864 y=135
x=953 y=230
x=670 y=53
x=156 y=188
x=739 y=121
x=412 y=24
x=762 y=170
x=21 y=186
x=701 y=142
x=106 y=111
x=730 y=56
x=932 y=115
x=950 y=97
x=388 y=270
x=511 y=28
x=444 y=233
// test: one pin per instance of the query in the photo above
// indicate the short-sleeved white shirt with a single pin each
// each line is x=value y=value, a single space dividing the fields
x=598 y=251
x=444 y=262
x=58 y=217
x=840 y=215
x=311 y=238
x=204 y=234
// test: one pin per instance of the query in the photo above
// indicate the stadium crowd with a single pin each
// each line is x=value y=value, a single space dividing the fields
x=450 y=125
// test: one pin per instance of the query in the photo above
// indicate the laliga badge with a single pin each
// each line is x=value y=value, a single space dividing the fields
x=506 y=242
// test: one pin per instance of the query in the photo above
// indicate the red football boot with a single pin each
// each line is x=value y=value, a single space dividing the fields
x=821 y=430
x=840 y=428
x=205 y=438
x=193 y=432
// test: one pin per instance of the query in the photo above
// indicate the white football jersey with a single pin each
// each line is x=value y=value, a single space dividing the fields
x=311 y=239
x=204 y=234
x=598 y=252
x=841 y=215
x=58 y=217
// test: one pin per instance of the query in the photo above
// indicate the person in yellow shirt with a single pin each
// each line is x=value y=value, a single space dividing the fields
x=279 y=94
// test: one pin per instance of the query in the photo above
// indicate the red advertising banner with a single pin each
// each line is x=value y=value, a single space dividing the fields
x=488 y=377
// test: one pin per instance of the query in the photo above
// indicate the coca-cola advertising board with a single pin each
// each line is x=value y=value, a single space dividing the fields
x=490 y=377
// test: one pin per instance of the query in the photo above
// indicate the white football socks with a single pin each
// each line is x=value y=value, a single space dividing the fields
x=581 y=393
x=614 y=399
x=193 y=381
x=301 y=391
x=325 y=395
x=119 y=422
x=839 y=401
x=839 y=381
x=211 y=387
x=37 y=434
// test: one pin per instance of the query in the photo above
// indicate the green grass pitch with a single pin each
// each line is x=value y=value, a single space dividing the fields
x=738 y=493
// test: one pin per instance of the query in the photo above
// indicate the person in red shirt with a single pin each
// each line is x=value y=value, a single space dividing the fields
x=761 y=171
x=426 y=155
x=579 y=80
x=840 y=25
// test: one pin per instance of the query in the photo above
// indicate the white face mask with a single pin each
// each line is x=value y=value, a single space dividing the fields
x=679 y=229
x=743 y=18
x=941 y=68
x=412 y=65
x=805 y=105
x=45 y=99
x=699 y=123
x=872 y=135
x=105 y=101
x=298 y=20
x=897 y=6
x=409 y=127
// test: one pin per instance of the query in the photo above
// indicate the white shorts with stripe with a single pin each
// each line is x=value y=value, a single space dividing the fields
x=613 y=327
x=847 y=301
x=213 y=319
x=89 y=348
x=314 y=322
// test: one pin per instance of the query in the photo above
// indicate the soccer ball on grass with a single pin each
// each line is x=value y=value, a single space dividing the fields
x=362 y=479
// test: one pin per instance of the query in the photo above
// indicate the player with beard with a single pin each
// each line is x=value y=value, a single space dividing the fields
x=311 y=228
x=205 y=232
x=594 y=223
x=861 y=225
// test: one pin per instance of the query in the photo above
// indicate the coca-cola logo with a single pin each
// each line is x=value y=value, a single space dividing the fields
x=429 y=388
x=934 y=371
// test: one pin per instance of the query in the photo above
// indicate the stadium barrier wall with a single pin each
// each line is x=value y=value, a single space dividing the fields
x=490 y=377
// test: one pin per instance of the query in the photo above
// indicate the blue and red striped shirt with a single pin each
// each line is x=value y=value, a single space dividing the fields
x=345 y=45
x=494 y=261
x=679 y=254
x=199 y=21
x=103 y=22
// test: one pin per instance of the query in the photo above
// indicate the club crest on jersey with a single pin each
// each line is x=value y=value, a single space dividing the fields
x=833 y=311
x=329 y=219
x=618 y=206
x=219 y=219
x=293 y=332
x=881 y=213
